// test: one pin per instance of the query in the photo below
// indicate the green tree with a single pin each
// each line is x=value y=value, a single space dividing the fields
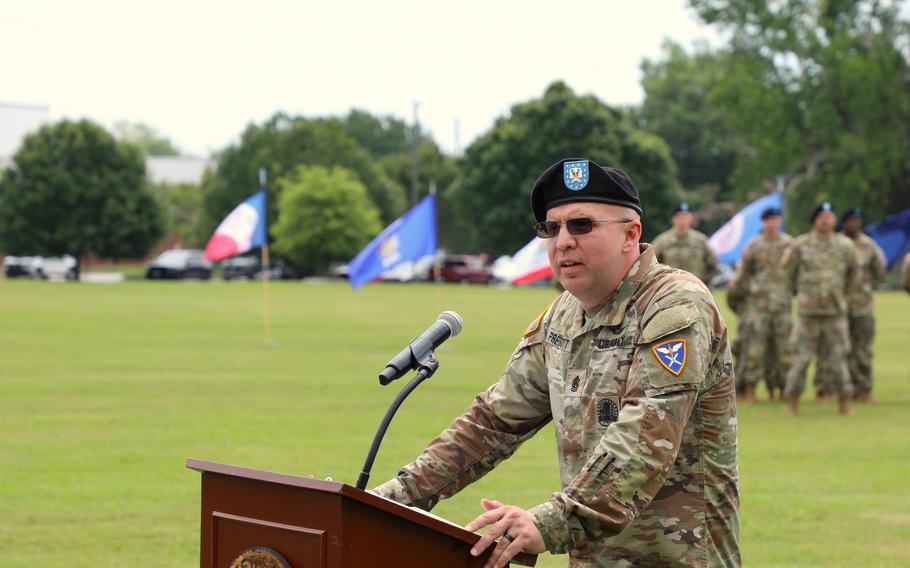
x=819 y=95
x=678 y=108
x=282 y=144
x=380 y=136
x=326 y=216
x=492 y=193
x=74 y=189
x=181 y=205
x=146 y=138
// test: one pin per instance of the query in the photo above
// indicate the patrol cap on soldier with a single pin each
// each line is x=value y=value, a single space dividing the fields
x=681 y=208
x=771 y=212
x=824 y=206
x=852 y=212
x=578 y=179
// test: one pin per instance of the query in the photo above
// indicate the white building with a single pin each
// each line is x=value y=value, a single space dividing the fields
x=19 y=120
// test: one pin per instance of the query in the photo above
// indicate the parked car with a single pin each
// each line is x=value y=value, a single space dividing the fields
x=464 y=268
x=54 y=267
x=15 y=266
x=41 y=267
x=179 y=263
x=240 y=268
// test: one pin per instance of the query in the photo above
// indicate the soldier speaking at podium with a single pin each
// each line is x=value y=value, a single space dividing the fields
x=633 y=366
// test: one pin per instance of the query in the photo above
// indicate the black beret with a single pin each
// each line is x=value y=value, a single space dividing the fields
x=682 y=208
x=852 y=212
x=824 y=206
x=771 y=212
x=578 y=179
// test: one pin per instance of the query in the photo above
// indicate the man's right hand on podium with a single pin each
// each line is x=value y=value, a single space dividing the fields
x=513 y=526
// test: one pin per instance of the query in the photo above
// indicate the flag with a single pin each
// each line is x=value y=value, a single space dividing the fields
x=730 y=240
x=242 y=230
x=892 y=234
x=531 y=263
x=410 y=237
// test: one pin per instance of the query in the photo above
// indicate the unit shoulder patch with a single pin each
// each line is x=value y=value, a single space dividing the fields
x=535 y=323
x=671 y=354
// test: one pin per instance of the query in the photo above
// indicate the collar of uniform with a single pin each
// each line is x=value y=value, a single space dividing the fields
x=613 y=312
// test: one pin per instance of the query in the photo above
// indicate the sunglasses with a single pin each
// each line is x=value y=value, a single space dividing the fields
x=579 y=226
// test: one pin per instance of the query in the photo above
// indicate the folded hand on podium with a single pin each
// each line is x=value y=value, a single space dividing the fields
x=508 y=521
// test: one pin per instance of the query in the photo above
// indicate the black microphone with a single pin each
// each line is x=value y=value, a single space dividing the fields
x=448 y=325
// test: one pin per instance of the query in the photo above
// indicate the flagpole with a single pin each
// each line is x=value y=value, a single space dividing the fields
x=264 y=253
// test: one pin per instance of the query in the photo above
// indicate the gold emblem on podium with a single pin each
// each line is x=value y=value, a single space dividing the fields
x=260 y=557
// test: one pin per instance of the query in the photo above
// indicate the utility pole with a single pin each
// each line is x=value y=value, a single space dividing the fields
x=415 y=157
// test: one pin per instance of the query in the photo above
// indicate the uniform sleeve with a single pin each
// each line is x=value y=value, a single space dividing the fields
x=853 y=280
x=878 y=265
x=658 y=245
x=790 y=266
x=632 y=460
x=498 y=421
x=710 y=262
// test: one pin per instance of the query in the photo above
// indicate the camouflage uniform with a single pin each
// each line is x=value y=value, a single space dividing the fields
x=767 y=311
x=872 y=269
x=736 y=302
x=905 y=273
x=822 y=272
x=648 y=455
x=691 y=253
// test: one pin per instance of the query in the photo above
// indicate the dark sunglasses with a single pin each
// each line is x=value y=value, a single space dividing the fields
x=579 y=226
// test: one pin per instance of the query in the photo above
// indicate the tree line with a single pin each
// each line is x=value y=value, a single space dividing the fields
x=809 y=95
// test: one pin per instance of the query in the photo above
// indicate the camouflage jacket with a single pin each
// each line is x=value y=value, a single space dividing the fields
x=822 y=273
x=872 y=270
x=641 y=392
x=691 y=253
x=760 y=274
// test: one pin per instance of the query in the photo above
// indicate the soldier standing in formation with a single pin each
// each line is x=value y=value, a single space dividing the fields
x=736 y=301
x=683 y=247
x=821 y=269
x=766 y=309
x=872 y=270
x=632 y=365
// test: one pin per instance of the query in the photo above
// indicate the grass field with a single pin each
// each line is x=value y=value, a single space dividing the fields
x=105 y=390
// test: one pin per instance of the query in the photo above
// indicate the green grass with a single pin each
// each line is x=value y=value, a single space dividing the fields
x=105 y=390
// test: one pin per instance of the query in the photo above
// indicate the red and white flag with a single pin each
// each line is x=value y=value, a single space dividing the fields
x=531 y=263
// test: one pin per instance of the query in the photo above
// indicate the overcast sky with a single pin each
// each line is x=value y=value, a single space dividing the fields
x=199 y=71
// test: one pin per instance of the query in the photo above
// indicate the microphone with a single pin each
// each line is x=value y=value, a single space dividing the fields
x=447 y=325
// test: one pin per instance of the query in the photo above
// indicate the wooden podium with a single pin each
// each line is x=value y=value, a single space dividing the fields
x=259 y=519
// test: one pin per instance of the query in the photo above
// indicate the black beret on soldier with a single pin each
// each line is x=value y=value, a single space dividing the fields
x=824 y=206
x=578 y=179
x=771 y=212
x=852 y=212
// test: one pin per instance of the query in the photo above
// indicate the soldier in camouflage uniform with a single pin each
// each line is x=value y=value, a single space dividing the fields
x=632 y=364
x=684 y=247
x=820 y=267
x=861 y=321
x=767 y=308
x=736 y=302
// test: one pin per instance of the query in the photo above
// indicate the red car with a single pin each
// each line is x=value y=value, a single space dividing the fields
x=465 y=268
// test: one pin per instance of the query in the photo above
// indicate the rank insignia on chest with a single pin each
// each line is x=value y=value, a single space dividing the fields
x=672 y=355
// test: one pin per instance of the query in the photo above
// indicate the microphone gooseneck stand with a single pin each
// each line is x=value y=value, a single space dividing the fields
x=426 y=369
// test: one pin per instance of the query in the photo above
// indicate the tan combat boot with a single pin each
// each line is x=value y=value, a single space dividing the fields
x=843 y=406
x=792 y=408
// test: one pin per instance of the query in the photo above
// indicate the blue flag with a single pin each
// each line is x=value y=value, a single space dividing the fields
x=892 y=234
x=410 y=237
x=730 y=240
